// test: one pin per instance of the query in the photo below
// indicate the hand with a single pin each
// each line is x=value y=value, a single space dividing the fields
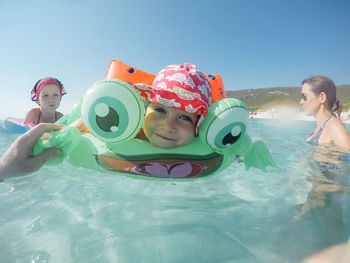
x=19 y=159
x=336 y=254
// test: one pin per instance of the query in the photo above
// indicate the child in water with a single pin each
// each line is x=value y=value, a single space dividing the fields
x=179 y=99
x=47 y=93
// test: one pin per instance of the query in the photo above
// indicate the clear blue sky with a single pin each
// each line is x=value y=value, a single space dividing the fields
x=250 y=43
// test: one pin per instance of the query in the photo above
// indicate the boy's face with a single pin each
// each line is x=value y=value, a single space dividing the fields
x=49 y=98
x=167 y=127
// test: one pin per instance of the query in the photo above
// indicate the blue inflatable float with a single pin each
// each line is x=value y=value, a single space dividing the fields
x=13 y=125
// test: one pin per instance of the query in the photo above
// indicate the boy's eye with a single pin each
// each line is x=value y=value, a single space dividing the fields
x=160 y=110
x=303 y=96
x=185 y=118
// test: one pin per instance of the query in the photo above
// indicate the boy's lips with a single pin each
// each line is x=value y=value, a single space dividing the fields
x=165 y=138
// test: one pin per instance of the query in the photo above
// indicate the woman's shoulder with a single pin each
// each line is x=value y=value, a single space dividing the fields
x=337 y=132
x=335 y=124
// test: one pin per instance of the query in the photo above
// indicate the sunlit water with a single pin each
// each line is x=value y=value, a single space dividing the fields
x=70 y=214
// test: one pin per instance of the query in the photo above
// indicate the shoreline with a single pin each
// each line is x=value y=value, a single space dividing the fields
x=294 y=115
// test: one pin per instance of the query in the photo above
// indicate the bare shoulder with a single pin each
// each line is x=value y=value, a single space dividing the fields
x=335 y=126
x=32 y=115
x=337 y=132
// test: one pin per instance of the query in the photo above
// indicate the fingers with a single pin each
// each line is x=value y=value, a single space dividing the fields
x=38 y=130
x=50 y=154
x=18 y=159
x=35 y=132
x=35 y=163
x=46 y=155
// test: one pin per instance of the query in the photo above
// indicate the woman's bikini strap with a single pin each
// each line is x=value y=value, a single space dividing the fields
x=314 y=139
x=325 y=121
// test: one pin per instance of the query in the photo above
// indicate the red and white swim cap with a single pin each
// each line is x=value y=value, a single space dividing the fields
x=182 y=87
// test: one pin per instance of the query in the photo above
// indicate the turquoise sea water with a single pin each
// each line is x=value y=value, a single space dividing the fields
x=70 y=214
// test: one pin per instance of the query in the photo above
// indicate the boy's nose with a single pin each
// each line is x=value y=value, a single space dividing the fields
x=169 y=124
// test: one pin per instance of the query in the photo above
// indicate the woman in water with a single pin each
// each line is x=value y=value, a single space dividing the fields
x=318 y=98
x=330 y=160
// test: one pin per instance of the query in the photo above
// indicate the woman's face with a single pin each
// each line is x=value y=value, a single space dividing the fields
x=310 y=101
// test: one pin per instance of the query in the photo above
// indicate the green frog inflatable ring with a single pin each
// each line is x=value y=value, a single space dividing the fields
x=113 y=111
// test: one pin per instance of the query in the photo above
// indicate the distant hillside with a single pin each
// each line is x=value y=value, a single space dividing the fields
x=270 y=97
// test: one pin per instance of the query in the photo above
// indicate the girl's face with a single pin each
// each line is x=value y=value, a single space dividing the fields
x=167 y=127
x=49 y=98
x=310 y=101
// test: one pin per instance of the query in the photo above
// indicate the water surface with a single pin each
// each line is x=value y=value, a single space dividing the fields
x=69 y=214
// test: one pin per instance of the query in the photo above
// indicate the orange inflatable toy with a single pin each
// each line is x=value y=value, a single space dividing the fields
x=126 y=73
x=217 y=87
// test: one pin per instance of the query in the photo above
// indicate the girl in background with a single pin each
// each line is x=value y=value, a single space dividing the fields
x=47 y=93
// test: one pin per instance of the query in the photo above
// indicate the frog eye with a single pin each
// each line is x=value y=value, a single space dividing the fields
x=112 y=111
x=227 y=128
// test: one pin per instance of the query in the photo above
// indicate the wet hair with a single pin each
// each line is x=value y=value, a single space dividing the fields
x=320 y=84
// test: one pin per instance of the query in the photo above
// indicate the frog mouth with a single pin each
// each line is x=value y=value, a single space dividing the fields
x=160 y=165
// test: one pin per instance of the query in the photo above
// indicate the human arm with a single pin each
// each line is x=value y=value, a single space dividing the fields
x=19 y=159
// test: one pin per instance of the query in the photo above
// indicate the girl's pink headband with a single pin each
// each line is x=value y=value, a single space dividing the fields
x=44 y=82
